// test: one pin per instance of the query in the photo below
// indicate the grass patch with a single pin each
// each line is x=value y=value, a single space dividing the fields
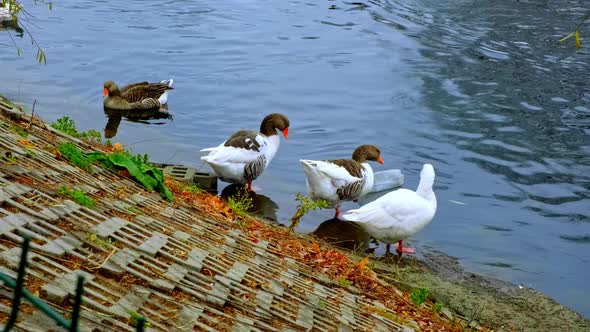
x=193 y=189
x=19 y=130
x=240 y=202
x=135 y=318
x=105 y=244
x=345 y=282
x=306 y=204
x=133 y=210
x=419 y=296
x=437 y=307
x=78 y=196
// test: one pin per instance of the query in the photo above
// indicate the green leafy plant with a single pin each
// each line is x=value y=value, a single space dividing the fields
x=138 y=166
x=322 y=304
x=306 y=204
x=68 y=127
x=91 y=136
x=419 y=296
x=240 y=202
x=103 y=243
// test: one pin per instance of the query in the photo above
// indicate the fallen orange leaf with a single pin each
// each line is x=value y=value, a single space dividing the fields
x=315 y=247
x=118 y=147
x=363 y=263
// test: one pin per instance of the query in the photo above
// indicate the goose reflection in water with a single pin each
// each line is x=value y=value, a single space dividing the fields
x=349 y=235
x=262 y=206
x=114 y=118
x=346 y=235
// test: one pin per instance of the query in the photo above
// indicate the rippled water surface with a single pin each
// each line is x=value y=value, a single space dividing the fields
x=481 y=89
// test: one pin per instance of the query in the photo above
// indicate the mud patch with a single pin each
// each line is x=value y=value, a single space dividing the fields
x=481 y=300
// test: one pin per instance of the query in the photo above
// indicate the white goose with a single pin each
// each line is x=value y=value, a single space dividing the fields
x=399 y=214
x=342 y=179
x=245 y=155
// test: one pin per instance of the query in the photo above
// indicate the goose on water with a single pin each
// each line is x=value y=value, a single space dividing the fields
x=141 y=96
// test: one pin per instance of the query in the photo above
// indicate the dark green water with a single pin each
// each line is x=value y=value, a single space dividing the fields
x=480 y=89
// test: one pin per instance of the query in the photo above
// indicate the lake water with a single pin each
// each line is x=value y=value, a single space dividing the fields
x=481 y=89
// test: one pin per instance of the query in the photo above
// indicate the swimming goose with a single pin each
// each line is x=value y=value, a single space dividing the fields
x=7 y=11
x=141 y=96
x=245 y=155
x=399 y=214
x=342 y=179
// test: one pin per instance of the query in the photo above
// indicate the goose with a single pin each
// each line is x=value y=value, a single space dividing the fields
x=8 y=10
x=140 y=96
x=342 y=179
x=399 y=214
x=244 y=156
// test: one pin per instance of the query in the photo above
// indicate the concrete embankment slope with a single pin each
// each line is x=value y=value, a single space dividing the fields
x=180 y=265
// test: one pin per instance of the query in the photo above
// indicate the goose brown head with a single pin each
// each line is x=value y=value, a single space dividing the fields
x=367 y=152
x=111 y=89
x=275 y=121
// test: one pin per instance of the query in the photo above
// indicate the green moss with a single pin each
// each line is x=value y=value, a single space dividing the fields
x=93 y=238
x=78 y=196
x=19 y=130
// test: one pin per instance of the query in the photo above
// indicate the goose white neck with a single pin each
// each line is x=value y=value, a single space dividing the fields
x=426 y=182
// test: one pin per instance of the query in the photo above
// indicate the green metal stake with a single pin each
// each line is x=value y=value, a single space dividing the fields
x=140 y=323
x=77 y=304
x=18 y=289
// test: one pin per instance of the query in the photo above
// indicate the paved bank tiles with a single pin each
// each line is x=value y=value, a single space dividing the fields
x=166 y=261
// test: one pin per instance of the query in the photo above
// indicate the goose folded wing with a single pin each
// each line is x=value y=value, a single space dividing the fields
x=141 y=92
x=336 y=172
x=245 y=146
x=131 y=85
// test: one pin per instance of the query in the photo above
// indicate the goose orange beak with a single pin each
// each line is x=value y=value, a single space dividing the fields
x=286 y=132
x=380 y=160
x=105 y=92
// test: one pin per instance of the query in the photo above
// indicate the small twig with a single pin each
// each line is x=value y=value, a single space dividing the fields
x=105 y=261
x=32 y=116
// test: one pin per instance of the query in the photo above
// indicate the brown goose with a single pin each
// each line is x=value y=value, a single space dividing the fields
x=245 y=155
x=141 y=96
x=342 y=179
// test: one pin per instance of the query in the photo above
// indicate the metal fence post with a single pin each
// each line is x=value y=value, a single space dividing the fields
x=77 y=305
x=140 y=323
x=18 y=289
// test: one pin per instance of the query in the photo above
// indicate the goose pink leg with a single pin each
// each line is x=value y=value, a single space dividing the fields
x=404 y=250
x=337 y=213
x=250 y=185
